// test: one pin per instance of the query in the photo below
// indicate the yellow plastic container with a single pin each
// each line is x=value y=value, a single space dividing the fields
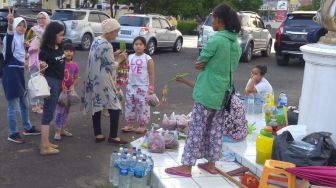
x=264 y=147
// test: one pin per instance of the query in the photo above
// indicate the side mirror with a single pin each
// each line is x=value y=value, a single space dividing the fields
x=268 y=26
x=173 y=28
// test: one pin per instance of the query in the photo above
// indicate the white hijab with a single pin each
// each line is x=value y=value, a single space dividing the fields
x=18 y=48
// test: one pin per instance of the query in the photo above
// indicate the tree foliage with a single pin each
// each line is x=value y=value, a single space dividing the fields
x=189 y=8
x=314 y=6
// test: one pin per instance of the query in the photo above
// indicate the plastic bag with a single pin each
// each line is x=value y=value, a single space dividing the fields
x=73 y=97
x=165 y=122
x=316 y=149
x=156 y=142
x=153 y=100
x=169 y=123
x=328 y=145
x=171 y=140
x=63 y=99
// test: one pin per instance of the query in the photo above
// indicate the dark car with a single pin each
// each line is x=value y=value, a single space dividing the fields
x=29 y=14
x=292 y=34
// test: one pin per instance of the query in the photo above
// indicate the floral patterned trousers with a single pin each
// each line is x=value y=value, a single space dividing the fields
x=137 y=109
x=207 y=128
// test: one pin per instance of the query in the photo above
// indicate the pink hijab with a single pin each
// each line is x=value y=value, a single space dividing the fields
x=38 y=30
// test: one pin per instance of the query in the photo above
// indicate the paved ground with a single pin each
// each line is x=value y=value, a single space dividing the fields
x=82 y=163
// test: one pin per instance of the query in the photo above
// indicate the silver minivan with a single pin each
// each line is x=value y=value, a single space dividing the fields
x=156 y=29
x=254 y=36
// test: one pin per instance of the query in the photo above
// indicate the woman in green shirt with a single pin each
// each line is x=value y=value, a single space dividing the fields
x=217 y=61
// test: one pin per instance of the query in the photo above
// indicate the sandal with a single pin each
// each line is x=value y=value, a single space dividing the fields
x=99 y=139
x=141 y=130
x=127 y=129
x=66 y=133
x=205 y=167
x=48 y=151
x=176 y=172
x=114 y=141
x=57 y=137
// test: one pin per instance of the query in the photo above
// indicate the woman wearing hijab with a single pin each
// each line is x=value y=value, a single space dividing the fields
x=33 y=41
x=100 y=90
x=13 y=80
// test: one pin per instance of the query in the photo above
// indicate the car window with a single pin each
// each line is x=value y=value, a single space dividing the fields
x=164 y=24
x=156 y=23
x=244 y=20
x=254 y=22
x=260 y=23
x=68 y=15
x=94 y=17
x=208 y=20
x=131 y=20
x=79 y=15
x=300 y=20
x=103 y=17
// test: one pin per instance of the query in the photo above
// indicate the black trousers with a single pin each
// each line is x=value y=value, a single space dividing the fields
x=114 y=123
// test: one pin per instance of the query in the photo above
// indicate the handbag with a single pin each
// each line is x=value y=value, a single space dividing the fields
x=38 y=86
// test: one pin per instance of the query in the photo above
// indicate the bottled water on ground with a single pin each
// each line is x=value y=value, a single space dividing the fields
x=150 y=168
x=139 y=178
x=132 y=164
x=115 y=172
x=112 y=169
x=123 y=173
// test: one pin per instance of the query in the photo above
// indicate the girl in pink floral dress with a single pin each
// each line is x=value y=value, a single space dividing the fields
x=140 y=85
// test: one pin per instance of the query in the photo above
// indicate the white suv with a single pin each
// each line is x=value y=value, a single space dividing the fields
x=156 y=29
x=81 y=25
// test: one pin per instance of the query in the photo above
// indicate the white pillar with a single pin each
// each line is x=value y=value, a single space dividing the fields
x=318 y=101
x=1 y=4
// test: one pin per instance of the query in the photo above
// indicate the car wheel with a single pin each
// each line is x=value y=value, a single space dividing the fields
x=267 y=52
x=151 y=47
x=178 y=45
x=247 y=56
x=86 y=41
x=282 y=60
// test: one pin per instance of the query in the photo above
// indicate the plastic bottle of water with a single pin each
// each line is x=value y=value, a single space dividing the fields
x=132 y=164
x=115 y=171
x=112 y=169
x=121 y=150
x=139 y=178
x=250 y=104
x=138 y=153
x=150 y=168
x=123 y=173
x=282 y=101
x=125 y=149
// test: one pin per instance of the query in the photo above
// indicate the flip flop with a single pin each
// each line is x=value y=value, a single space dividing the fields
x=204 y=166
x=127 y=129
x=141 y=130
x=239 y=171
x=174 y=171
